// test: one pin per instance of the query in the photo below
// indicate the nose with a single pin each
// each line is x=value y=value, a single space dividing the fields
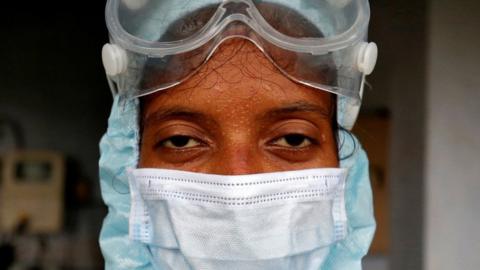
x=238 y=160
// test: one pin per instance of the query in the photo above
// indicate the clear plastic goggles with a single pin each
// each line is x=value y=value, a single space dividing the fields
x=157 y=44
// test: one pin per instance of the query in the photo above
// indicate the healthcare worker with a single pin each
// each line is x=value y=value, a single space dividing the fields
x=228 y=145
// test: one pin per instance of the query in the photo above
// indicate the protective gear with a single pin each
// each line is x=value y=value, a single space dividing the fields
x=283 y=220
x=142 y=46
x=175 y=37
x=119 y=151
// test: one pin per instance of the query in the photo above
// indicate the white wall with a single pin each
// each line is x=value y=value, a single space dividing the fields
x=452 y=237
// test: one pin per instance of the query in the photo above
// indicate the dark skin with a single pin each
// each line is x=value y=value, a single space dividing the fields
x=238 y=115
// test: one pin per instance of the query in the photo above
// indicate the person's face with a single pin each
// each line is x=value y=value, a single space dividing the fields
x=238 y=115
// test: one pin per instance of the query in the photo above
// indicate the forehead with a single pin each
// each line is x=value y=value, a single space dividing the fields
x=238 y=79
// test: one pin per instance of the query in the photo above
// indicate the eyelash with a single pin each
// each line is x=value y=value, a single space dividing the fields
x=168 y=140
x=275 y=142
x=304 y=138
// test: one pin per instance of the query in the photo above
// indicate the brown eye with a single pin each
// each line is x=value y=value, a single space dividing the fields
x=180 y=142
x=293 y=141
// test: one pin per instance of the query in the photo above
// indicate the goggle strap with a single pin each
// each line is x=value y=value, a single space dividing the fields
x=113 y=86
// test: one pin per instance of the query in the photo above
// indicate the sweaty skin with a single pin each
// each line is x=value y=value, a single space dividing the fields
x=238 y=115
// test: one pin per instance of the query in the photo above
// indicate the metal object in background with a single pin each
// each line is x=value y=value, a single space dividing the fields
x=31 y=193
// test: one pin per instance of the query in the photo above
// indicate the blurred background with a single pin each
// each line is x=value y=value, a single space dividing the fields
x=420 y=124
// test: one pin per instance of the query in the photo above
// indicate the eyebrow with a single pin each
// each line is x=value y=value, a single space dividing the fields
x=298 y=107
x=161 y=115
